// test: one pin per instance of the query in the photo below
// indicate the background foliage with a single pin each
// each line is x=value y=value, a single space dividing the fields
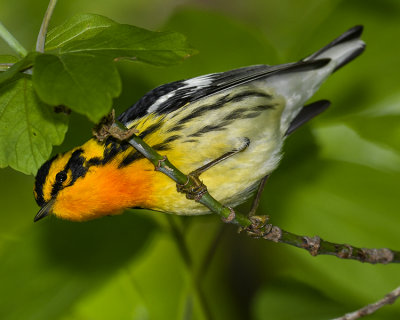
x=339 y=179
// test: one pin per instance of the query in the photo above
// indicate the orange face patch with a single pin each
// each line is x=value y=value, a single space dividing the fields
x=106 y=190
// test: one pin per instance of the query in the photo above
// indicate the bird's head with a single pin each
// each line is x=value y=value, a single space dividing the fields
x=91 y=181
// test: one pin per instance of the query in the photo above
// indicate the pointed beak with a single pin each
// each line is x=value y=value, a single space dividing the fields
x=45 y=210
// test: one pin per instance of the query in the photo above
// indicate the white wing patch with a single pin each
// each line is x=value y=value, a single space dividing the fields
x=159 y=101
x=189 y=87
x=199 y=82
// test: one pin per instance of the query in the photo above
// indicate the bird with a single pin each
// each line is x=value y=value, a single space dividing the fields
x=232 y=124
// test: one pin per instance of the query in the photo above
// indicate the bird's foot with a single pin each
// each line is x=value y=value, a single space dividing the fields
x=194 y=190
x=260 y=228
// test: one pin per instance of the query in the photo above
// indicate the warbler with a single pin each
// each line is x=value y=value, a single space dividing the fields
x=236 y=121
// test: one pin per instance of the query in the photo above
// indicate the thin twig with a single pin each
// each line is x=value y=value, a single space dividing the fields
x=371 y=308
x=255 y=226
x=41 y=39
x=12 y=42
x=317 y=246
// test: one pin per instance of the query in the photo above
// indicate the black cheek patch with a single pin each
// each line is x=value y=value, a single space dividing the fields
x=41 y=179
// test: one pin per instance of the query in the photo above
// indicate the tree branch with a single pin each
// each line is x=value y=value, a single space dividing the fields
x=254 y=226
x=316 y=246
x=371 y=308
x=41 y=40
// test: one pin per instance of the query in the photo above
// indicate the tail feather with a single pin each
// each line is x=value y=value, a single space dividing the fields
x=343 y=49
x=298 y=88
x=307 y=113
x=350 y=57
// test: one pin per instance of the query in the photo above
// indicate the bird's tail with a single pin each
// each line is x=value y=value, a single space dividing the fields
x=300 y=86
x=343 y=49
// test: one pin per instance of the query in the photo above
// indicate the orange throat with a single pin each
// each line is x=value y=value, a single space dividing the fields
x=107 y=190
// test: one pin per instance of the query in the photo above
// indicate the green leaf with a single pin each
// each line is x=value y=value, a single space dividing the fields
x=82 y=75
x=21 y=65
x=85 y=83
x=129 y=42
x=29 y=128
x=79 y=27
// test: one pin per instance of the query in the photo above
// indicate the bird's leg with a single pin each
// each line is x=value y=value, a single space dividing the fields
x=225 y=156
x=196 y=192
x=260 y=225
x=257 y=198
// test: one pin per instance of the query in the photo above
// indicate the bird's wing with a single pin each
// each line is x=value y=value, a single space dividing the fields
x=174 y=95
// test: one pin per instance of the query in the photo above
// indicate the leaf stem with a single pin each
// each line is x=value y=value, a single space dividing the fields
x=12 y=42
x=41 y=40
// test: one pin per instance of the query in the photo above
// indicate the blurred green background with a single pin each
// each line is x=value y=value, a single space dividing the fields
x=339 y=179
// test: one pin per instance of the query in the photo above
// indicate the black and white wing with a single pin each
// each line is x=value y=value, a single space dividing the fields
x=172 y=96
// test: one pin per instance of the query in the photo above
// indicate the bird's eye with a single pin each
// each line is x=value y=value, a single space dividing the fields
x=61 y=177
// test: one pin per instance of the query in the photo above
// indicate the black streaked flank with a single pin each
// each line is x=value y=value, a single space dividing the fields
x=247 y=94
x=190 y=140
x=196 y=113
x=176 y=128
x=161 y=147
x=171 y=138
x=264 y=107
x=154 y=127
x=209 y=128
x=250 y=115
x=238 y=113
x=200 y=111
